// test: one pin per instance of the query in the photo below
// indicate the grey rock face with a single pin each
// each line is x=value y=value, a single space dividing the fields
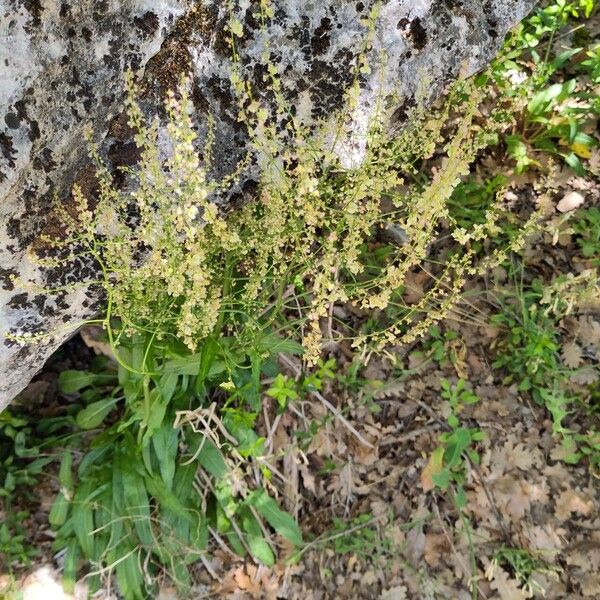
x=61 y=70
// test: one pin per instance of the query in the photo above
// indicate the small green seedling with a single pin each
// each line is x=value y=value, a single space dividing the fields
x=448 y=463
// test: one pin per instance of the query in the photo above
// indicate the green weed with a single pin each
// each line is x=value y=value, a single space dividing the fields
x=448 y=463
x=587 y=230
x=155 y=485
x=558 y=107
x=522 y=565
x=529 y=348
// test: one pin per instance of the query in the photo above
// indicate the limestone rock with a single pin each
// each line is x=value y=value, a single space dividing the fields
x=61 y=70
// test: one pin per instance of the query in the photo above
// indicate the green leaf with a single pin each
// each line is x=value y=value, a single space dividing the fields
x=457 y=443
x=210 y=458
x=70 y=567
x=541 y=101
x=168 y=385
x=166 y=498
x=236 y=27
x=59 y=511
x=65 y=475
x=274 y=344
x=283 y=523
x=136 y=502
x=207 y=358
x=460 y=499
x=164 y=442
x=258 y=546
x=129 y=574
x=93 y=415
x=70 y=382
x=575 y=163
x=563 y=57
x=83 y=519
x=158 y=409
x=190 y=365
x=442 y=479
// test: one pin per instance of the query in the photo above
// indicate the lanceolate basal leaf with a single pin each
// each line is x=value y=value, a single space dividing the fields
x=93 y=415
x=283 y=523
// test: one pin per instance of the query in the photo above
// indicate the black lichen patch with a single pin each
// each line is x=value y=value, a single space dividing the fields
x=124 y=154
x=401 y=114
x=35 y=9
x=321 y=40
x=418 y=34
x=147 y=24
x=12 y=120
x=7 y=149
x=19 y=301
x=328 y=82
x=44 y=161
x=6 y=279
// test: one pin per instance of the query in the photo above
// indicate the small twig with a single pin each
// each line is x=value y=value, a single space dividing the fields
x=221 y=543
x=451 y=541
x=209 y=568
x=492 y=502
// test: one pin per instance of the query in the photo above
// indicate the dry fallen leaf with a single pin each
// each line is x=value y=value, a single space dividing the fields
x=436 y=547
x=586 y=558
x=589 y=331
x=570 y=201
x=433 y=467
x=572 y=501
x=395 y=593
x=590 y=585
x=507 y=588
x=571 y=355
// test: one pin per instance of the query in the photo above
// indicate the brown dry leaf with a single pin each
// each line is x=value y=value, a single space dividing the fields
x=512 y=455
x=95 y=338
x=570 y=201
x=594 y=162
x=519 y=503
x=433 y=467
x=507 y=588
x=415 y=540
x=585 y=376
x=369 y=578
x=572 y=501
x=395 y=593
x=416 y=359
x=586 y=559
x=415 y=286
x=546 y=539
x=521 y=457
x=395 y=389
x=308 y=479
x=514 y=495
x=590 y=585
x=538 y=492
x=397 y=536
x=558 y=471
x=436 y=547
x=245 y=581
x=545 y=204
x=589 y=331
x=571 y=355
x=362 y=454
